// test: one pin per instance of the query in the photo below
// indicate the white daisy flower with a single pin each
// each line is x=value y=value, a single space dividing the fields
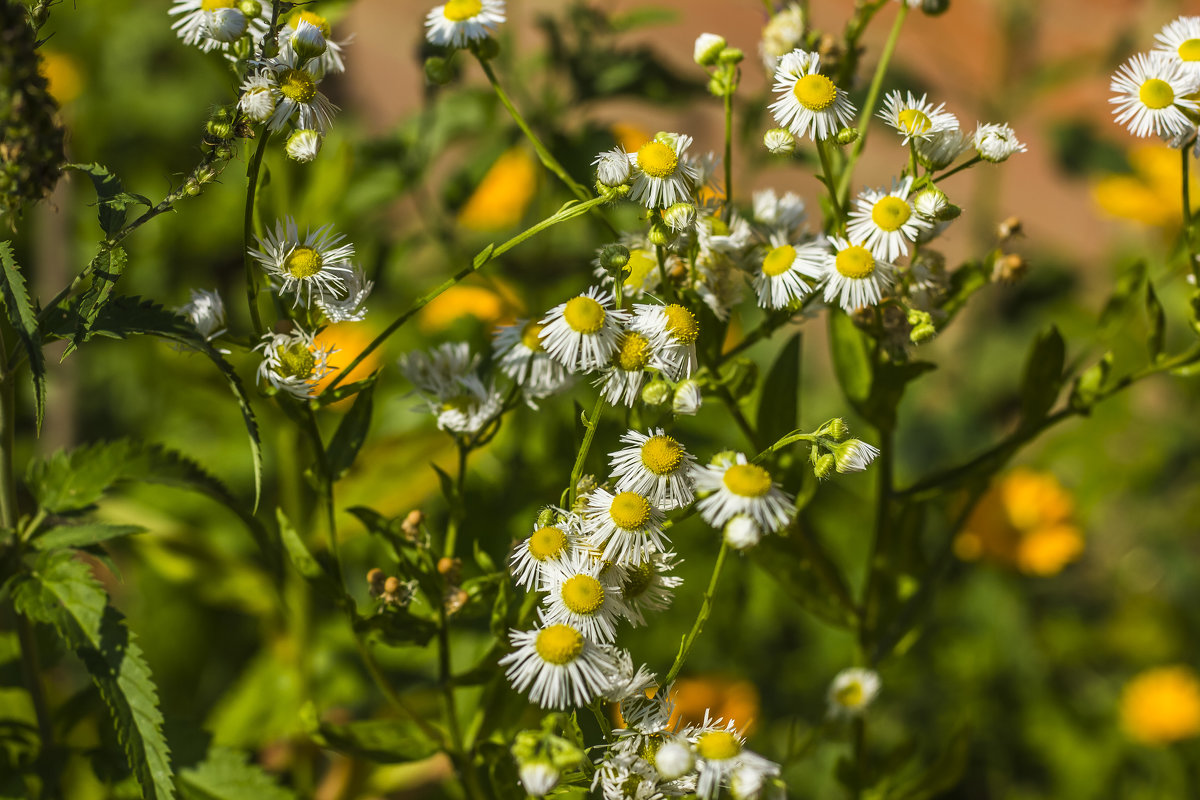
x=916 y=118
x=1180 y=40
x=329 y=61
x=996 y=143
x=780 y=279
x=625 y=681
x=547 y=544
x=674 y=758
x=523 y=359
x=942 y=148
x=297 y=97
x=853 y=276
x=885 y=222
x=657 y=467
x=662 y=175
x=854 y=455
x=621 y=381
x=613 y=167
x=649 y=587
x=626 y=527
x=687 y=399
x=348 y=307
x=539 y=776
x=438 y=371
x=626 y=778
x=457 y=23
x=303 y=145
x=576 y=596
x=257 y=100
x=716 y=237
x=734 y=487
x=852 y=691
x=557 y=665
x=720 y=751
x=310 y=266
x=781 y=35
x=583 y=333
x=206 y=312
x=742 y=532
x=783 y=214
x=809 y=103
x=292 y=362
x=672 y=331
x=469 y=407
x=199 y=20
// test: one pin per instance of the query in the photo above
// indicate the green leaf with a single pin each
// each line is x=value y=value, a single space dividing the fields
x=112 y=199
x=106 y=269
x=851 y=353
x=62 y=592
x=307 y=565
x=964 y=282
x=83 y=535
x=24 y=321
x=1128 y=284
x=1158 y=323
x=384 y=741
x=941 y=776
x=225 y=775
x=344 y=390
x=803 y=569
x=779 y=404
x=447 y=483
x=1043 y=377
x=351 y=433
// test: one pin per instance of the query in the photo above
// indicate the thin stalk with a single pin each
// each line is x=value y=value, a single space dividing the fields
x=326 y=481
x=701 y=618
x=577 y=470
x=860 y=756
x=390 y=693
x=965 y=165
x=1188 y=235
x=827 y=179
x=884 y=474
x=248 y=230
x=729 y=154
x=457 y=507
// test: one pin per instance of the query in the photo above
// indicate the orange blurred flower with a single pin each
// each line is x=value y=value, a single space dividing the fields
x=1152 y=194
x=62 y=74
x=735 y=700
x=349 y=339
x=1161 y=705
x=500 y=200
x=492 y=305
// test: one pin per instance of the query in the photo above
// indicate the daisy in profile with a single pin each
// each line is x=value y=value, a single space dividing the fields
x=852 y=691
x=292 y=362
x=548 y=544
x=662 y=174
x=206 y=312
x=467 y=408
x=297 y=98
x=457 y=23
x=309 y=266
x=621 y=381
x=331 y=59
x=656 y=466
x=809 y=103
x=626 y=528
x=778 y=213
x=576 y=596
x=916 y=118
x=649 y=587
x=347 y=306
x=557 y=665
x=1151 y=95
x=720 y=751
x=583 y=333
x=942 y=148
x=853 y=276
x=523 y=358
x=884 y=221
x=780 y=280
x=212 y=24
x=257 y=99
x=996 y=142
x=1180 y=40
x=672 y=330
x=437 y=371
x=734 y=486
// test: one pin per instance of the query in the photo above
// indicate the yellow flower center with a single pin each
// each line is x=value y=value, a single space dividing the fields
x=303 y=262
x=213 y=5
x=297 y=85
x=295 y=361
x=582 y=594
x=637 y=580
x=657 y=160
x=531 y=336
x=718 y=745
x=850 y=695
x=629 y=510
x=747 y=480
x=459 y=10
x=779 y=260
x=682 y=323
x=460 y=403
x=855 y=261
x=547 y=542
x=1190 y=50
x=815 y=92
x=633 y=353
x=890 y=213
x=312 y=19
x=914 y=120
x=559 y=644
x=584 y=315
x=661 y=454
x=1156 y=94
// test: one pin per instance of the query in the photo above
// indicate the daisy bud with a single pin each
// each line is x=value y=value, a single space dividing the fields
x=438 y=71
x=252 y=9
x=226 y=25
x=949 y=212
x=708 y=48
x=680 y=216
x=742 y=533
x=995 y=143
x=486 y=49
x=660 y=233
x=303 y=146
x=929 y=203
x=547 y=517
x=674 y=759
x=687 y=398
x=854 y=455
x=612 y=167
x=835 y=429
x=614 y=257
x=1009 y=268
x=538 y=777
x=779 y=142
x=731 y=55
x=656 y=393
x=308 y=42
x=823 y=466
x=256 y=101
x=375 y=580
x=847 y=136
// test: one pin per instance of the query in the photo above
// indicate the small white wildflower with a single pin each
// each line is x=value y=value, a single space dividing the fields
x=310 y=266
x=457 y=23
x=612 y=167
x=996 y=143
x=257 y=100
x=708 y=47
x=292 y=362
x=739 y=487
x=348 y=307
x=1152 y=92
x=742 y=532
x=584 y=332
x=853 y=276
x=779 y=142
x=688 y=398
x=809 y=104
x=303 y=145
x=852 y=691
x=662 y=175
x=557 y=665
x=206 y=312
x=916 y=118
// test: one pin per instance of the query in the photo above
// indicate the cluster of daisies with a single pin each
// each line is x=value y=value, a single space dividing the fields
x=1155 y=92
x=608 y=560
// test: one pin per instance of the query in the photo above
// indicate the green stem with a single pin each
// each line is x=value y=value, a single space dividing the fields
x=860 y=756
x=729 y=153
x=965 y=165
x=390 y=693
x=589 y=434
x=701 y=618
x=457 y=503
x=484 y=257
x=884 y=489
x=248 y=231
x=827 y=179
x=326 y=485
x=1189 y=238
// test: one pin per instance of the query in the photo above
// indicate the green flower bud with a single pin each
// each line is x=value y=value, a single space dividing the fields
x=1089 y=384
x=614 y=257
x=935 y=8
x=486 y=49
x=656 y=393
x=731 y=55
x=251 y=9
x=438 y=70
x=847 y=136
x=660 y=233
x=824 y=466
x=779 y=142
x=707 y=49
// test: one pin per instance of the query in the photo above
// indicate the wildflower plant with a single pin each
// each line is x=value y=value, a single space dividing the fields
x=496 y=624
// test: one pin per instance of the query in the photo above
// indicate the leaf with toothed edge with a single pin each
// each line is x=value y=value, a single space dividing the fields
x=24 y=321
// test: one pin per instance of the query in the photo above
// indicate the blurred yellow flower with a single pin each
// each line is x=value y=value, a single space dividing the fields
x=735 y=700
x=1161 y=705
x=491 y=305
x=1152 y=194
x=1026 y=520
x=630 y=137
x=349 y=339
x=62 y=75
x=500 y=200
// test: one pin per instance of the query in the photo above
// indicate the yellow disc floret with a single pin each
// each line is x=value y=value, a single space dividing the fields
x=913 y=121
x=661 y=454
x=559 y=644
x=582 y=594
x=1190 y=50
x=855 y=261
x=747 y=480
x=718 y=745
x=295 y=361
x=297 y=85
x=633 y=353
x=213 y=5
x=657 y=159
x=890 y=214
x=682 y=323
x=815 y=92
x=779 y=260
x=584 y=315
x=302 y=262
x=460 y=10
x=547 y=542
x=1156 y=94
x=629 y=510
x=531 y=336
x=851 y=695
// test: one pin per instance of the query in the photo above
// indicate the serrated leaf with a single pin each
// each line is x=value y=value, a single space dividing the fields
x=226 y=774
x=851 y=357
x=779 y=404
x=1043 y=376
x=112 y=200
x=351 y=433
x=1158 y=323
x=106 y=269
x=83 y=535
x=24 y=321
x=60 y=591
x=391 y=741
